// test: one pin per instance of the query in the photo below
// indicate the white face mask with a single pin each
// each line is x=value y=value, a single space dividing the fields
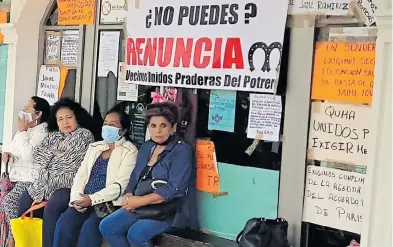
x=23 y=114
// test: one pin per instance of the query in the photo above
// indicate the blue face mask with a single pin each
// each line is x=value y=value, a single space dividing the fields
x=110 y=134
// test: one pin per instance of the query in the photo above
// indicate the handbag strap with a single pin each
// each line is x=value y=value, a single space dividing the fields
x=120 y=192
x=33 y=207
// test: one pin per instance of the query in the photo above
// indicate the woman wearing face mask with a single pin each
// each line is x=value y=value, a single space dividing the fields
x=59 y=155
x=102 y=178
x=32 y=123
x=164 y=158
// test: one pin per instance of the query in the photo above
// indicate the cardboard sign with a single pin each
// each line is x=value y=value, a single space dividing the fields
x=76 y=12
x=340 y=133
x=48 y=83
x=344 y=72
x=206 y=45
x=208 y=178
x=334 y=198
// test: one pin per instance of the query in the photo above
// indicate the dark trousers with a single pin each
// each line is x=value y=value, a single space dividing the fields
x=56 y=205
x=73 y=224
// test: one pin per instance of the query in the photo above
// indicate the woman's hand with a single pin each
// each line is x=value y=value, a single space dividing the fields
x=22 y=124
x=133 y=202
x=5 y=157
x=35 y=202
x=80 y=209
x=84 y=202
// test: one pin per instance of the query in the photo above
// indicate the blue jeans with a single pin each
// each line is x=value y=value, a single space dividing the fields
x=56 y=205
x=123 y=229
x=73 y=224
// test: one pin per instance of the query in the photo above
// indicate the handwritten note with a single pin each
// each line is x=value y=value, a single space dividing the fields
x=208 y=178
x=108 y=55
x=318 y=7
x=367 y=8
x=334 y=198
x=70 y=47
x=264 y=119
x=76 y=12
x=52 y=47
x=222 y=110
x=340 y=132
x=113 y=11
x=48 y=83
x=344 y=72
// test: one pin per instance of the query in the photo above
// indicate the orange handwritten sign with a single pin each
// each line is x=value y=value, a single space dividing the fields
x=63 y=77
x=344 y=72
x=76 y=12
x=208 y=179
x=3 y=16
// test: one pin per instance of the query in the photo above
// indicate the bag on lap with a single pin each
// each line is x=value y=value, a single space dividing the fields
x=28 y=230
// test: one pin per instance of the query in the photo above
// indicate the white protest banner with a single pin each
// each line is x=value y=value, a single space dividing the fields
x=48 y=83
x=318 y=7
x=264 y=119
x=199 y=44
x=70 y=47
x=340 y=133
x=52 y=47
x=334 y=198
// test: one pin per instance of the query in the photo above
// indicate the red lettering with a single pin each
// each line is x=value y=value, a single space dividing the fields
x=217 y=54
x=206 y=44
x=183 y=53
x=233 y=54
x=164 y=58
x=131 y=52
x=150 y=52
x=139 y=50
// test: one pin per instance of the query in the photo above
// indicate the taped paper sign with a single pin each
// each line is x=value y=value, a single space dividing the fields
x=48 y=83
x=340 y=133
x=52 y=47
x=70 y=47
x=113 y=11
x=108 y=53
x=368 y=8
x=167 y=46
x=222 y=110
x=318 y=7
x=334 y=198
x=208 y=179
x=76 y=12
x=344 y=72
x=264 y=117
x=126 y=91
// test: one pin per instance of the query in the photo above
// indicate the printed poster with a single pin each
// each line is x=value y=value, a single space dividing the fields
x=48 y=83
x=108 y=53
x=319 y=7
x=218 y=49
x=126 y=91
x=334 y=198
x=113 y=11
x=340 y=133
x=344 y=72
x=222 y=110
x=76 y=12
x=70 y=47
x=264 y=119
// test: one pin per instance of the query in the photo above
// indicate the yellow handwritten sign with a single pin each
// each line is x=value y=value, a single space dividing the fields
x=344 y=72
x=76 y=12
x=208 y=179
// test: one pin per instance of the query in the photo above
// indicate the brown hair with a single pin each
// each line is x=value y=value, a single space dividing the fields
x=167 y=110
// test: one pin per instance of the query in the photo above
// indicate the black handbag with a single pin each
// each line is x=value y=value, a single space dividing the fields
x=160 y=211
x=104 y=209
x=260 y=232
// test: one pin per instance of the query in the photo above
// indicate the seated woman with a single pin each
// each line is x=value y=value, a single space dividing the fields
x=165 y=158
x=32 y=123
x=102 y=177
x=59 y=155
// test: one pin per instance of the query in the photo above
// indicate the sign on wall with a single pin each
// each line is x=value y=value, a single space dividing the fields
x=340 y=133
x=113 y=11
x=197 y=44
x=344 y=71
x=48 y=83
x=70 y=47
x=334 y=198
x=318 y=7
x=76 y=12
x=52 y=47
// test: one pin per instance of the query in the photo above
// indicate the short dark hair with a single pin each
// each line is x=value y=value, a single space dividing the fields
x=83 y=118
x=166 y=109
x=124 y=119
x=41 y=105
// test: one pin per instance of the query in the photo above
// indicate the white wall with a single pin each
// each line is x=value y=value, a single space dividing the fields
x=22 y=35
